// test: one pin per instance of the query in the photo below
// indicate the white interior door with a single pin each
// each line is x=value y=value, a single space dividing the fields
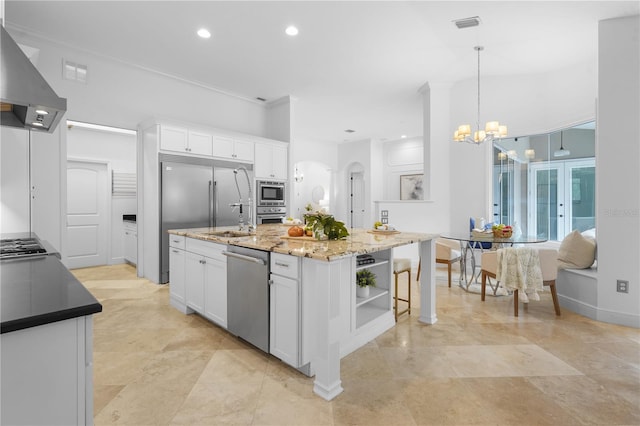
x=87 y=217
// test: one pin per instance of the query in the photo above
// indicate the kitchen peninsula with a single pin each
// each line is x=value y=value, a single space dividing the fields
x=315 y=316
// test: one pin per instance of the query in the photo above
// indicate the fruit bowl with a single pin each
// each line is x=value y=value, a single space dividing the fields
x=503 y=233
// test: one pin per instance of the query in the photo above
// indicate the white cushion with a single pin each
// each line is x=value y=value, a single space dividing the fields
x=401 y=265
x=454 y=254
x=576 y=251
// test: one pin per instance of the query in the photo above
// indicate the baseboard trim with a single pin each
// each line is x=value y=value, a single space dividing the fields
x=598 y=314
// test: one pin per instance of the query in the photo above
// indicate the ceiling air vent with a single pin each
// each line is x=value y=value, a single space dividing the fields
x=474 y=21
x=349 y=130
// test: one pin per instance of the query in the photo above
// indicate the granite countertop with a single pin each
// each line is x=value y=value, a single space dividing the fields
x=268 y=238
x=40 y=290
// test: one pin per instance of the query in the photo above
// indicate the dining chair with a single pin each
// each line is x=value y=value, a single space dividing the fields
x=548 y=266
x=447 y=253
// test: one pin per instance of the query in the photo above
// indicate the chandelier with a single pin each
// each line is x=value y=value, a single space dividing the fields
x=493 y=129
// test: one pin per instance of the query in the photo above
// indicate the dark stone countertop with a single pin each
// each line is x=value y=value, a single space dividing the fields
x=41 y=290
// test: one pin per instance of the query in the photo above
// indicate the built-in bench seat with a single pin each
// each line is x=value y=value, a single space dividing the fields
x=578 y=290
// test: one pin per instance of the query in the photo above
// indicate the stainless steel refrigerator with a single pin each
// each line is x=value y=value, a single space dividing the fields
x=196 y=194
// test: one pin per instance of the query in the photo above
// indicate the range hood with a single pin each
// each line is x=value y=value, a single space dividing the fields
x=26 y=99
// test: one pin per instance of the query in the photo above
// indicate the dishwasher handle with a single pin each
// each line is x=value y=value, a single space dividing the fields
x=243 y=257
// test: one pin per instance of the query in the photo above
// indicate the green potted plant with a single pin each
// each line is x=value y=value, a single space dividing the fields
x=364 y=279
x=326 y=227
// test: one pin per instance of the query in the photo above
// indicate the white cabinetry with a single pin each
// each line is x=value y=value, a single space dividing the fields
x=130 y=241
x=195 y=265
x=183 y=140
x=271 y=161
x=177 y=263
x=47 y=374
x=205 y=279
x=233 y=148
x=285 y=322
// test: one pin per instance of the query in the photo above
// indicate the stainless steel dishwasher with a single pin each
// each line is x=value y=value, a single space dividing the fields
x=248 y=295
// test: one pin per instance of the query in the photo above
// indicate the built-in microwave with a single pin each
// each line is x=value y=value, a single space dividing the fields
x=270 y=193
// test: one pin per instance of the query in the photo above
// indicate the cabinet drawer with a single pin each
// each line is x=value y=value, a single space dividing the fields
x=206 y=248
x=285 y=265
x=176 y=241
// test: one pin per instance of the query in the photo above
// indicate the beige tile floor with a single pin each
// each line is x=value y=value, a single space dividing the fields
x=478 y=365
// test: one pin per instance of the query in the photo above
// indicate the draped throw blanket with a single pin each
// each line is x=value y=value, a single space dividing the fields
x=518 y=268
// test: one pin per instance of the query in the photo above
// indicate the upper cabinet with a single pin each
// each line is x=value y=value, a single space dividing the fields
x=233 y=148
x=271 y=161
x=185 y=141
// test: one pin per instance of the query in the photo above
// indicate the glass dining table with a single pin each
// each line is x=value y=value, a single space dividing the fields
x=470 y=245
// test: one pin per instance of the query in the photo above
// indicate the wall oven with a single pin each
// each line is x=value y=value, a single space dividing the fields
x=270 y=193
x=270 y=215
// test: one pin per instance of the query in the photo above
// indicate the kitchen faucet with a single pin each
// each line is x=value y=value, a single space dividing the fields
x=251 y=217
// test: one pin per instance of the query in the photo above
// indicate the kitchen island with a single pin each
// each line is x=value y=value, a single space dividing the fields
x=331 y=320
x=46 y=343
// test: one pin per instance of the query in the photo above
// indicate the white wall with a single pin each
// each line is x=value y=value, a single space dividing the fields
x=400 y=157
x=31 y=183
x=119 y=150
x=14 y=180
x=122 y=95
x=617 y=171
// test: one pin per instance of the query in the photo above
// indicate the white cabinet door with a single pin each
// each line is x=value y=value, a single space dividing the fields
x=130 y=244
x=173 y=139
x=215 y=291
x=243 y=150
x=194 y=281
x=200 y=143
x=271 y=161
x=284 y=339
x=223 y=147
x=233 y=149
x=177 y=289
x=279 y=161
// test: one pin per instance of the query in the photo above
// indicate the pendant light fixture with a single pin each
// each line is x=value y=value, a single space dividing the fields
x=493 y=129
x=561 y=152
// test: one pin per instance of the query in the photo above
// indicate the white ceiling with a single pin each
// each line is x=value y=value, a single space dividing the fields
x=354 y=65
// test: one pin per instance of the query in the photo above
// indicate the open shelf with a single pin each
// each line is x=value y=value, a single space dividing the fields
x=367 y=313
x=370 y=265
x=374 y=293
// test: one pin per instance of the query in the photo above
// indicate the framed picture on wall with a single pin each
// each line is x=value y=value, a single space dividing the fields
x=411 y=187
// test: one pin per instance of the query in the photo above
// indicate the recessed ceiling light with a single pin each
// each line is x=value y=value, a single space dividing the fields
x=37 y=124
x=42 y=112
x=291 y=30
x=403 y=136
x=204 y=33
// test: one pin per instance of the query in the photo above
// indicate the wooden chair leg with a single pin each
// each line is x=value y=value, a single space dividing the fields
x=395 y=299
x=419 y=267
x=515 y=302
x=409 y=288
x=484 y=286
x=554 y=295
x=449 y=271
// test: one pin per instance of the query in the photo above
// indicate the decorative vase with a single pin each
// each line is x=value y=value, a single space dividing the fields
x=362 y=291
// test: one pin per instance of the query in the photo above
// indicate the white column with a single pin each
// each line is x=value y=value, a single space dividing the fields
x=326 y=278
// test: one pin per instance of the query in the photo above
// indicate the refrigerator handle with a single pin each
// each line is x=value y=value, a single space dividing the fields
x=211 y=224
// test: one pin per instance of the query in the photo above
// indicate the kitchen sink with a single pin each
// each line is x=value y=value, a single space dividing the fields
x=229 y=234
